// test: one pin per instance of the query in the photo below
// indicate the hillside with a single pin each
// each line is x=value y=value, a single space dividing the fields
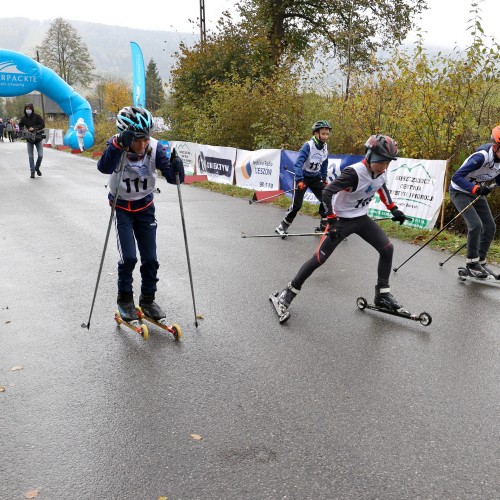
x=109 y=46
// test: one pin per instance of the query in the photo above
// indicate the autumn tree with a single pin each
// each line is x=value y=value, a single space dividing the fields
x=155 y=94
x=63 y=51
x=117 y=94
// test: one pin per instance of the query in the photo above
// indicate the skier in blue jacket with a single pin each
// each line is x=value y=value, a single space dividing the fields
x=469 y=181
x=135 y=219
x=311 y=170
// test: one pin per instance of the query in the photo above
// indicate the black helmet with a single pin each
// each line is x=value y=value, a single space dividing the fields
x=321 y=124
x=139 y=120
x=380 y=148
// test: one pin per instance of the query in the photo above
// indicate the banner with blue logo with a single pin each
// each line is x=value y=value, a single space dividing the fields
x=138 y=76
x=258 y=170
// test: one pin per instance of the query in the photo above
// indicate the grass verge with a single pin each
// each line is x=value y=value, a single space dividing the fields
x=447 y=241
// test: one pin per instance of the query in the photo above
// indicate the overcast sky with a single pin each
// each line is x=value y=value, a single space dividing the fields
x=445 y=22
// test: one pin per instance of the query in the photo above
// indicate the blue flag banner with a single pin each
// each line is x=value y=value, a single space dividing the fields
x=138 y=76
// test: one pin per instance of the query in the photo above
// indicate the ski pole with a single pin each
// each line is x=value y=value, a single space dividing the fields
x=463 y=246
x=439 y=232
x=279 y=235
x=186 y=245
x=113 y=209
x=271 y=197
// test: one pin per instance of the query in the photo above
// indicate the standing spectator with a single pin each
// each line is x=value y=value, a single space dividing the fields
x=2 y=128
x=10 y=131
x=16 y=130
x=34 y=124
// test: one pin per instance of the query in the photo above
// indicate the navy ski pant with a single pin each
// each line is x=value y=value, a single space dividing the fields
x=131 y=228
x=369 y=231
x=316 y=185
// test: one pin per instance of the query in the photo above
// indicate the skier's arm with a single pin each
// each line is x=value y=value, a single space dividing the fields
x=385 y=197
x=299 y=162
x=324 y=169
x=459 y=177
x=110 y=159
x=169 y=166
x=347 y=180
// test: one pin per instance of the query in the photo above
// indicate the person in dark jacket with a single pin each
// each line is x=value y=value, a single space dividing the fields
x=131 y=159
x=32 y=125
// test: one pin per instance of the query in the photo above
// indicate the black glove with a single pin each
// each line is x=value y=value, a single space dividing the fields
x=397 y=215
x=125 y=138
x=483 y=191
x=334 y=228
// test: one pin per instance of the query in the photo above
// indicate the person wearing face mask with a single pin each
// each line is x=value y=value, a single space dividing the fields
x=311 y=170
x=33 y=124
x=346 y=200
x=134 y=218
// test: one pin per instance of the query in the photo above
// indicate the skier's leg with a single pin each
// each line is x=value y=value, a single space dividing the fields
x=126 y=248
x=489 y=227
x=145 y=227
x=291 y=213
x=317 y=187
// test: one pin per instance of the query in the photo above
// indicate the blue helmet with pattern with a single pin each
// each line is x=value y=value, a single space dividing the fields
x=139 y=120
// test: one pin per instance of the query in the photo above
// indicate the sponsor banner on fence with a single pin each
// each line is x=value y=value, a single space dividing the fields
x=258 y=170
x=416 y=186
x=217 y=163
x=336 y=163
x=187 y=151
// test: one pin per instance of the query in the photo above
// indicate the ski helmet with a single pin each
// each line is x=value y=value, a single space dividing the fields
x=139 y=120
x=321 y=124
x=495 y=135
x=380 y=148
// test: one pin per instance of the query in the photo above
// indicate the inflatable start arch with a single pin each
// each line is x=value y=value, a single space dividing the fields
x=20 y=75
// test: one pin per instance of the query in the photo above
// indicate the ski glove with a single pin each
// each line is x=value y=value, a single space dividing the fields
x=301 y=185
x=125 y=138
x=175 y=162
x=325 y=182
x=397 y=215
x=482 y=191
x=334 y=228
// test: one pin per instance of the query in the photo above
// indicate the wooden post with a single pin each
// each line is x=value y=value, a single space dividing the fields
x=445 y=188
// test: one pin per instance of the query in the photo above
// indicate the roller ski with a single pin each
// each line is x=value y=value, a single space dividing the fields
x=149 y=310
x=127 y=315
x=479 y=273
x=385 y=302
x=281 y=302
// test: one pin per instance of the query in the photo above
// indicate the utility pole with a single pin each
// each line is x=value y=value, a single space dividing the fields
x=203 y=31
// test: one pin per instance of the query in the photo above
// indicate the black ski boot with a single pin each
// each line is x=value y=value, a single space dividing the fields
x=126 y=307
x=322 y=226
x=475 y=269
x=286 y=296
x=283 y=228
x=150 y=308
x=384 y=299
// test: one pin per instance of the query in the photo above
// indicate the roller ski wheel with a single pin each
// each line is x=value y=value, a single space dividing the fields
x=133 y=325
x=424 y=318
x=490 y=280
x=174 y=329
x=283 y=315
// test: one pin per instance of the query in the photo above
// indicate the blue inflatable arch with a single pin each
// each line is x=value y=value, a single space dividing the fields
x=20 y=75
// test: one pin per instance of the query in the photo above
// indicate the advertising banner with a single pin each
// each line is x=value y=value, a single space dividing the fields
x=416 y=186
x=138 y=76
x=217 y=163
x=258 y=170
x=188 y=152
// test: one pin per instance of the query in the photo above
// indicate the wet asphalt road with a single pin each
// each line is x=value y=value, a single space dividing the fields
x=337 y=403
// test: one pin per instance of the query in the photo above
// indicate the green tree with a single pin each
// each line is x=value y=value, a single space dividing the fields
x=63 y=51
x=155 y=93
x=354 y=29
